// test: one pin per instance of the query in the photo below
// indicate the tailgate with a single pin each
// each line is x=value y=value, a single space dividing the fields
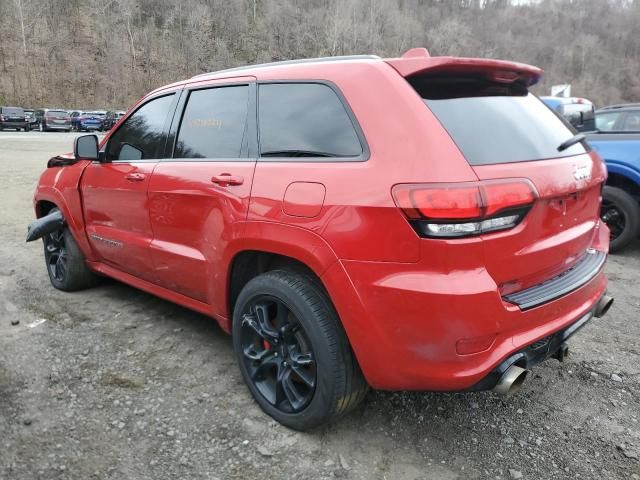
x=558 y=229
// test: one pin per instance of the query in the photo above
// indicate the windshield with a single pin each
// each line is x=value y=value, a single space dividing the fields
x=495 y=122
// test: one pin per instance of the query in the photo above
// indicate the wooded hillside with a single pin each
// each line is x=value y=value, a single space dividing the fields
x=106 y=53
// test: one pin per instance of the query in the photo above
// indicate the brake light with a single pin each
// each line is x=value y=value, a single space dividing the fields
x=464 y=209
x=1 y=118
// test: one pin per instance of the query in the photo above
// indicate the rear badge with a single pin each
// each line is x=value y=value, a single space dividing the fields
x=582 y=172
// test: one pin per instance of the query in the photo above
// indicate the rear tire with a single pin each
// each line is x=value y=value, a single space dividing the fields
x=621 y=212
x=292 y=351
x=65 y=263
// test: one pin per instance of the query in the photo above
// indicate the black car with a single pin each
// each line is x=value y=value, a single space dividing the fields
x=13 y=117
x=31 y=118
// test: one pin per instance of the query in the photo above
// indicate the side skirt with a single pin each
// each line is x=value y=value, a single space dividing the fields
x=161 y=292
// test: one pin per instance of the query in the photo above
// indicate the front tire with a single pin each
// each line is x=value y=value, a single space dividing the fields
x=65 y=263
x=292 y=351
x=621 y=212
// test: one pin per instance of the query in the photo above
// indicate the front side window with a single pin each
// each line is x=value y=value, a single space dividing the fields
x=141 y=136
x=304 y=120
x=214 y=123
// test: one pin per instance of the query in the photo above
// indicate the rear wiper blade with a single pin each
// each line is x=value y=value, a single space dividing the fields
x=572 y=141
x=296 y=153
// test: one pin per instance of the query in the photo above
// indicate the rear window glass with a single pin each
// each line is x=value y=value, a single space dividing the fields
x=495 y=123
x=12 y=111
x=57 y=113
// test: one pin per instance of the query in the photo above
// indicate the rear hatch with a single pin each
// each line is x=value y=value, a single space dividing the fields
x=13 y=114
x=511 y=140
x=58 y=118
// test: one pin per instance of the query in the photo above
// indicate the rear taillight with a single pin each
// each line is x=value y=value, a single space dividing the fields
x=1 y=118
x=464 y=209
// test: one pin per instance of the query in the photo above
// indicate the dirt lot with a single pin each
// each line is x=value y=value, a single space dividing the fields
x=112 y=383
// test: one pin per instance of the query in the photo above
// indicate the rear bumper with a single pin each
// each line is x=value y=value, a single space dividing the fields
x=14 y=124
x=414 y=327
x=57 y=127
x=535 y=353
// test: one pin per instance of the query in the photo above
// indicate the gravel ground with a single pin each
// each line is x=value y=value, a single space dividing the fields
x=112 y=383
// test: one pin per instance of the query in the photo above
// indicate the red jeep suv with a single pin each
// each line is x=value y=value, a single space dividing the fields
x=414 y=223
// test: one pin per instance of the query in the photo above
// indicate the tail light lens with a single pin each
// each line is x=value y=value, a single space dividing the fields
x=1 y=118
x=464 y=209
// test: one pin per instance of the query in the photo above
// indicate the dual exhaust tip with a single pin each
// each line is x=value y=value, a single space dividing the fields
x=514 y=376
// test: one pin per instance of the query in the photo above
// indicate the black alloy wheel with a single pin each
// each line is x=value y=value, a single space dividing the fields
x=277 y=354
x=621 y=212
x=614 y=218
x=56 y=255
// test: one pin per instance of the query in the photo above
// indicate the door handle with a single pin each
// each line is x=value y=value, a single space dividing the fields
x=135 y=177
x=225 y=179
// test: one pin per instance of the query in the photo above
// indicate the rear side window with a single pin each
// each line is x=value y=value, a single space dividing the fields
x=494 y=122
x=214 y=123
x=304 y=120
x=141 y=136
x=632 y=122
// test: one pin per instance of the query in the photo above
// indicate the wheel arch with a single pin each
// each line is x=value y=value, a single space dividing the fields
x=264 y=246
x=624 y=182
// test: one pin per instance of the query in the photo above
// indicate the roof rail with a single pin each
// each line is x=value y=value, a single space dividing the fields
x=620 y=105
x=293 y=62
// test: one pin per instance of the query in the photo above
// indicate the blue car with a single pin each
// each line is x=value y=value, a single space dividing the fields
x=617 y=140
x=89 y=121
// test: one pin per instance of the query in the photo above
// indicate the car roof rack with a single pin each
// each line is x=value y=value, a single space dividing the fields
x=620 y=105
x=293 y=62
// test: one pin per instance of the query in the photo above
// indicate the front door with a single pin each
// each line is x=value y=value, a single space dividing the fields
x=114 y=191
x=198 y=197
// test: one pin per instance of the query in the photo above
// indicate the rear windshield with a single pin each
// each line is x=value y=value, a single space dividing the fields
x=12 y=111
x=494 y=122
x=57 y=113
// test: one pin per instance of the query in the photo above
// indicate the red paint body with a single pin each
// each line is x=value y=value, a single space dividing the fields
x=433 y=306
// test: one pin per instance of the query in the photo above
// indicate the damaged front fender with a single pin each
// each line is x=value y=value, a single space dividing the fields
x=45 y=225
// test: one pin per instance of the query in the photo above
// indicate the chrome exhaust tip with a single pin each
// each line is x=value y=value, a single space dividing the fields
x=511 y=380
x=603 y=306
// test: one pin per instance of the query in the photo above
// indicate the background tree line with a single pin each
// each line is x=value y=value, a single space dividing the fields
x=106 y=53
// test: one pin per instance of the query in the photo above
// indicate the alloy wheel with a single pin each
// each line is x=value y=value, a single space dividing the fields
x=277 y=354
x=614 y=218
x=56 y=255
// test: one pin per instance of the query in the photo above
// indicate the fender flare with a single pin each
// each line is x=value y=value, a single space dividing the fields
x=303 y=245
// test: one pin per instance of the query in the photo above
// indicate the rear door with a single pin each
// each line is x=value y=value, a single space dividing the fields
x=505 y=132
x=114 y=191
x=198 y=197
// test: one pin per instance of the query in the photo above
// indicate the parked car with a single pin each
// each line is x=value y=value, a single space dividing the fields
x=579 y=112
x=345 y=242
x=617 y=140
x=31 y=118
x=13 y=117
x=53 y=119
x=89 y=121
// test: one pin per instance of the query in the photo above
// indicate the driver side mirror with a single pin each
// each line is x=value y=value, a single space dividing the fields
x=86 y=147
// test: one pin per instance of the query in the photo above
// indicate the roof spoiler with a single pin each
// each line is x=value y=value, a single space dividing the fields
x=417 y=61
